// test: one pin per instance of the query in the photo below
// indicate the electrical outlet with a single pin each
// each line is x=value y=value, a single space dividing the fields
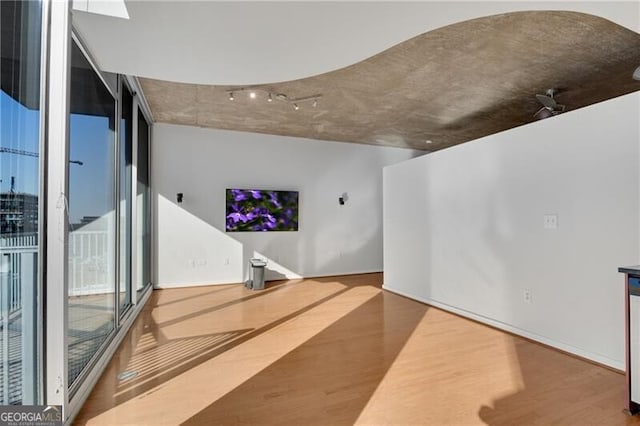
x=550 y=221
x=226 y=261
x=527 y=296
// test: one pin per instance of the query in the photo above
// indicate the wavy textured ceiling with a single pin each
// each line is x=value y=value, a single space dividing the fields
x=449 y=85
x=240 y=42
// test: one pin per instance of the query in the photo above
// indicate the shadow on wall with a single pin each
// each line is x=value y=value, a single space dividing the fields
x=273 y=270
x=333 y=239
x=192 y=251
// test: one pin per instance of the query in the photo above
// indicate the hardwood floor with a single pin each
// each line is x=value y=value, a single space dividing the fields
x=336 y=351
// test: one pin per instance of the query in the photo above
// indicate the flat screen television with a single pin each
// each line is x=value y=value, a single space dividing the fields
x=259 y=210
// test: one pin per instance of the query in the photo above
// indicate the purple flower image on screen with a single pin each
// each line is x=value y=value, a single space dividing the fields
x=255 y=210
x=238 y=195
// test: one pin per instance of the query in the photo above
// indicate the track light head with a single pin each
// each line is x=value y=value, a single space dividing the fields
x=636 y=74
x=295 y=102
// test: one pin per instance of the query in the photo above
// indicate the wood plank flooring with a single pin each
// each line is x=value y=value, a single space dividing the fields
x=338 y=351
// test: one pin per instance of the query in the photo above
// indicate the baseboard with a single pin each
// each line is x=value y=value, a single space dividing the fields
x=581 y=353
x=345 y=274
x=309 y=277
x=166 y=286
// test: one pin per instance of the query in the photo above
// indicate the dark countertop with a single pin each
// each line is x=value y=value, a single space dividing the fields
x=633 y=270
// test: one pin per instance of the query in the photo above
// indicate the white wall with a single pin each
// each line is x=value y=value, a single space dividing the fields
x=463 y=227
x=244 y=42
x=192 y=246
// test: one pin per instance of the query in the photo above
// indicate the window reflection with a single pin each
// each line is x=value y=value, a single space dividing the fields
x=91 y=214
x=19 y=200
x=125 y=170
x=143 y=206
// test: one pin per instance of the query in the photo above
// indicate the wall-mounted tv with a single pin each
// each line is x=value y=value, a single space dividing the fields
x=258 y=210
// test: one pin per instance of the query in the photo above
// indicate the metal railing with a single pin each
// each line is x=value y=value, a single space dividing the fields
x=89 y=265
x=90 y=273
x=90 y=261
x=18 y=278
x=15 y=250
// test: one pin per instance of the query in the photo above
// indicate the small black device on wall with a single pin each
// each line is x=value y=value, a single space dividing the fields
x=179 y=197
x=343 y=199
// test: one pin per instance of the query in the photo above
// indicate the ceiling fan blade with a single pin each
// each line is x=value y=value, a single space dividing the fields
x=542 y=113
x=547 y=101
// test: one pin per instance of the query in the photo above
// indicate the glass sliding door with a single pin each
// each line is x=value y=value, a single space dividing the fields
x=125 y=199
x=143 y=206
x=92 y=217
x=20 y=152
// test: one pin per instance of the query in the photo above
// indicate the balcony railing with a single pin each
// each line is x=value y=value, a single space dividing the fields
x=18 y=278
x=17 y=264
x=90 y=263
x=90 y=273
x=89 y=266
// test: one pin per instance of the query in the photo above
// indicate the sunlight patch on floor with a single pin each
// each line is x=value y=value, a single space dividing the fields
x=407 y=383
x=151 y=363
x=197 y=388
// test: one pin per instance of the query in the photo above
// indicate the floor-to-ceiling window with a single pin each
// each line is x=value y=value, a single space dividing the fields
x=92 y=214
x=66 y=249
x=20 y=155
x=125 y=204
x=143 y=206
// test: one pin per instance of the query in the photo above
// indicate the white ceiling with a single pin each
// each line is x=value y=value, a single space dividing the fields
x=116 y=8
x=237 y=43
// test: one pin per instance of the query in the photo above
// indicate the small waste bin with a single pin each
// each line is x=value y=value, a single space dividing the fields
x=257 y=274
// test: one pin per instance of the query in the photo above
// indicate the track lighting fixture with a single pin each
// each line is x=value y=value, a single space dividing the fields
x=271 y=96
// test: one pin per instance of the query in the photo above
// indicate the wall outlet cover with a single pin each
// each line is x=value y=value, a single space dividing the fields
x=550 y=221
